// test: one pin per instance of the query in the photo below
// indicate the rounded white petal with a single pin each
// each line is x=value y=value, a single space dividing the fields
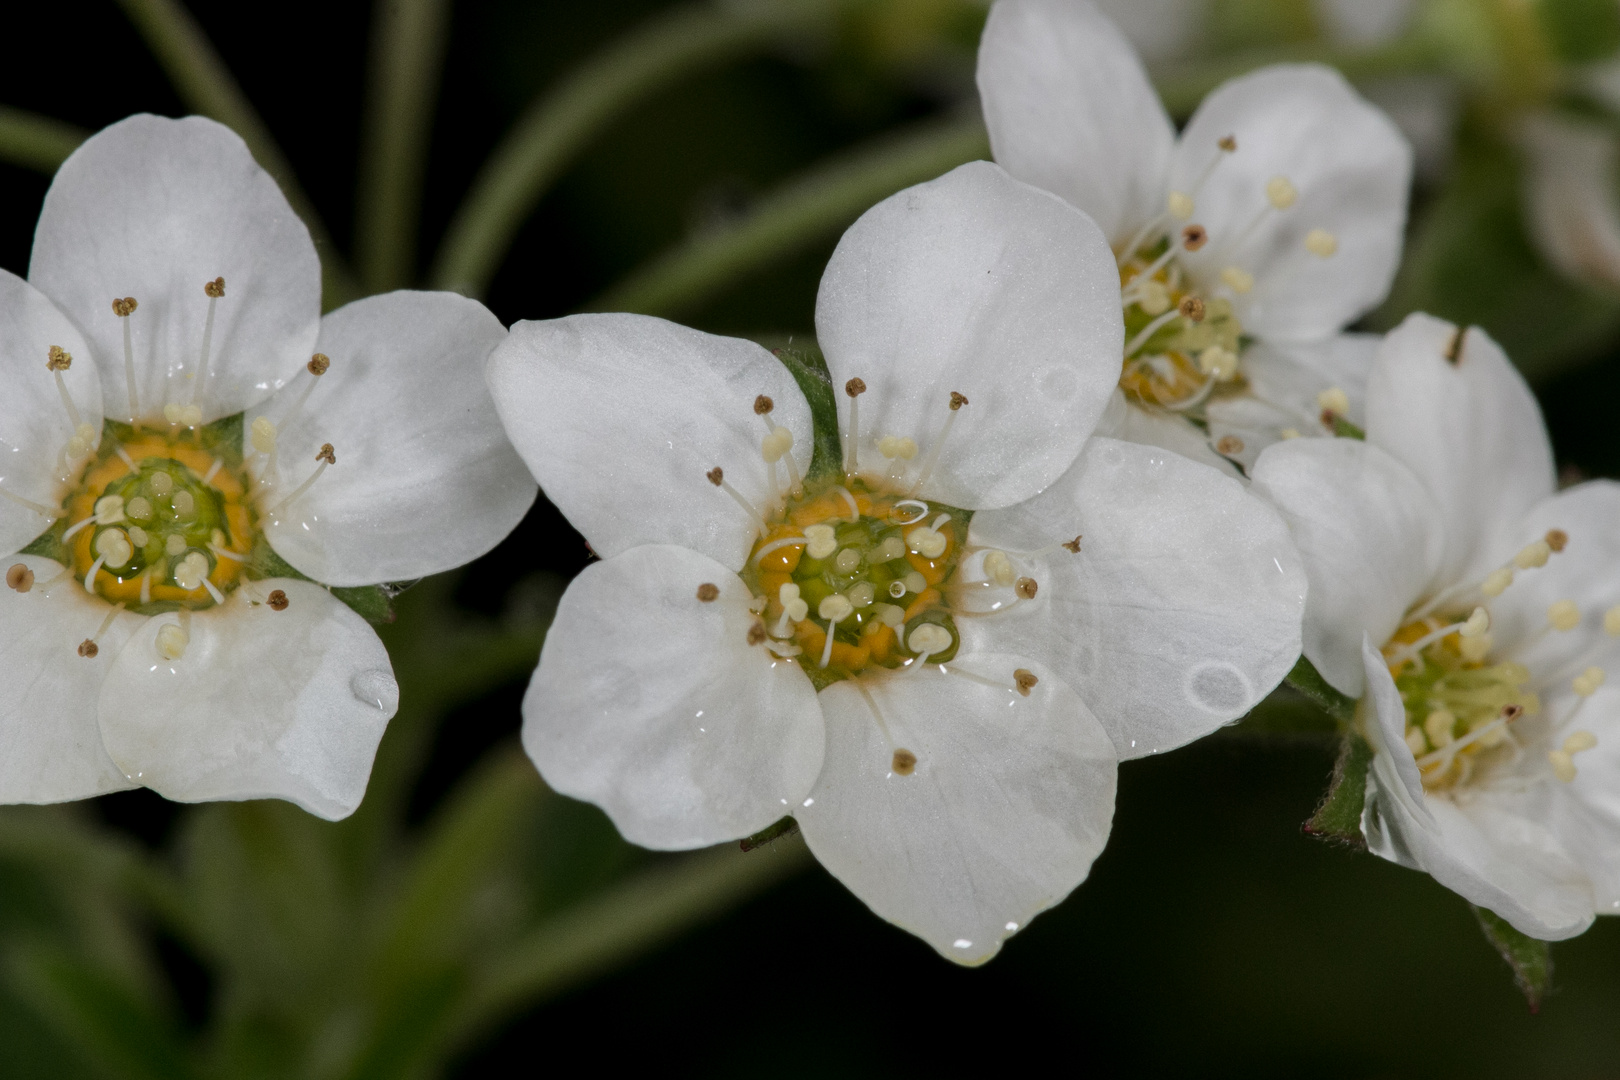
x=261 y=704
x=1481 y=850
x=1586 y=812
x=651 y=703
x=975 y=284
x=1127 y=420
x=426 y=479
x=1071 y=110
x=1285 y=384
x=620 y=416
x=50 y=746
x=1178 y=614
x=1350 y=168
x=1010 y=800
x=35 y=424
x=155 y=208
x=1456 y=412
x=1368 y=538
x=1570 y=203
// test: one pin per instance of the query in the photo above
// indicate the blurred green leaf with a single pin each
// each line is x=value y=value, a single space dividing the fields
x=1530 y=959
x=1581 y=30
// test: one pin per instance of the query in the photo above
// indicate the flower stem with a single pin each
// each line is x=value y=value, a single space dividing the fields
x=204 y=83
x=407 y=58
x=817 y=204
x=560 y=123
x=36 y=142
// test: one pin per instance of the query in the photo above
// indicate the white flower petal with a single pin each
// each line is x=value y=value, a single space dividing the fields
x=1159 y=29
x=1285 y=382
x=1010 y=802
x=426 y=479
x=1570 y=203
x=1469 y=428
x=978 y=284
x=262 y=704
x=1483 y=852
x=1368 y=538
x=1151 y=427
x=1586 y=812
x=154 y=208
x=1071 y=110
x=34 y=423
x=620 y=416
x=651 y=703
x=1350 y=168
x=50 y=747
x=1180 y=611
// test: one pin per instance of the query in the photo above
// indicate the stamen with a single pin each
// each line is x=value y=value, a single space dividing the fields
x=854 y=388
x=1508 y=714
x=1218 y=362
x=19 y=578
x=1497 y=581
x=1025 y=680
x=173 y=638
x=821 y=540
x=1148 y=331
x=38 y=508
x=904 y=762
x=1194 y=237
x=328 y=457
x=124 y=309
x=794 y=609
x=1176 y=204
x=1611 y=621
x=89 y=647
x=277 y=600
x=90 y=575
x=1532 y=555
x=1564 y=615
x=1334 y=400
x=1237 y=279
x=213 y=290
x=1026 y=587
x=59 y=361
x=213 y=471
x=317 y=366
x=854 y=507
x=76 y=527
x=708 y=592
x=1280 y=192
x=957 y=401
x=786 y=541
x=1556 y=539
x=1474 y=627
x=146 y=586
x=835 y=609
x=213 y=590
x=1587 y=682
x=1321 y=243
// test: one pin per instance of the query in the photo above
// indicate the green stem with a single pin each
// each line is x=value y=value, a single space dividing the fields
x=807 y=210
x=406 y=61
x=204 y=83
x=36 y=142
x=639 y=914
x=559 y=124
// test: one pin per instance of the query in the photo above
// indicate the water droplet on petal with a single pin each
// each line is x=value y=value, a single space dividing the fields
x=376 y=687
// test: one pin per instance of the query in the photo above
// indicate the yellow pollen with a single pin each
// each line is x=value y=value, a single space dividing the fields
x=1280 y=192
x=1237 y=279
x=1564 y=615
x=1180 y=205
x=1532 y=555
x=1496 y=582
x=1587 y=682
x=1334 y=400
x=1321 y=243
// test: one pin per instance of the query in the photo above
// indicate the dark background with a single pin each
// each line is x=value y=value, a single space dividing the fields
x=1213 y=938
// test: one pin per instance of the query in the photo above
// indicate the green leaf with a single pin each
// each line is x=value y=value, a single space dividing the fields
x=1339 y=816
x=1581 y=30
x=1530 y=959
x=1308 y=681
x=809 y=370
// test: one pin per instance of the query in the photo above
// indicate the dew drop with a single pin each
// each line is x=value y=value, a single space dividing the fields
x=376 y=687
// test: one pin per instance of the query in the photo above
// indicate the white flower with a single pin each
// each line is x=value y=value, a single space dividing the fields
x=1473 y=611
x=1571 y=208
x=1276 y=215
x=1014 y=605
x=171 y=286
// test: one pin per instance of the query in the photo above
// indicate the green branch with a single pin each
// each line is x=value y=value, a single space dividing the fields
x=807 y=210
x=204 y=83
x=406 y=61
x=559 y=124
x=36 y=142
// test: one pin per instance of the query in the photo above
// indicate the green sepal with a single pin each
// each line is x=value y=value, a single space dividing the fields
x=48 y=545
x=1338 y=818
x=785 y=827
x=1530 y=958
x=1344 y=429
x=809 y=370
x=373 y=603
x=1308 y=681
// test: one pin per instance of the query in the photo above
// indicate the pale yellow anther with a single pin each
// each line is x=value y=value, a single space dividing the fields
x=821 y=541
x=894 y=446
x=1611 y=621
x=915 y=582
x=1475 y=649
x=929 y=638
x=1219 y=363
x=263 y=435
x=776 y=444
x=1180 y=205
x=861 y=594
x=1289 y=433
x=889 y=550
x=835 y=608
x=114 y=548
x=1563 y=765
x=138 y=536
x=185 y=505
x=1237 y=279
x=1334 y=400
x=1579 y=741
x=1478 y=622
x=139 y=509
x=161 y=483
x=926 y=542
x=890 y=615
x=788 y=593
x=172 y=641
x=109 y=510
x=1532 y=555
x=999 y=568
x=1564 y=615
x=1497 y=581
x=174 y=544
x=1321 y=243
x=1588 y=681
x=1153 y=298
x=1415 y=742
x=1439 y=726
x=1280 y=192
x=847 y=561
x=190 y=571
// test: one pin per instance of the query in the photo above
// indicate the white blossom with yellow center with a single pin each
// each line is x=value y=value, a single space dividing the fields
x=1245 y=245
x=933 y=657
x=171 y=287
x=1473 y=610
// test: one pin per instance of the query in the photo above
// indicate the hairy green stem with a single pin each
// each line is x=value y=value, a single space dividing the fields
x=36 y=142
x=560 y=123
x=407 y=58
x=204 y=83
x=806 y=210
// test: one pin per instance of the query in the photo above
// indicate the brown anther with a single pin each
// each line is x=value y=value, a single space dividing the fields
x=1025 y=679
x=327 y=454
x=756 y=633
x=1329 y=418
x=1229 y=445
x=125 y=307
x=1194 y=237
x=708 y=592
x=88 y=649
x=1511 y=713
x=277 y=600
x=20 y=578
x=1228 y=143
x=1073 y=545
x=58 y=359
x=1556 y=539
x=1192 y=308
x=763 y=405
x=957 y=400
x=319 y=363
x=857 y=387
x=716 y=475
x=904 y=763
x=1454 y=347
x=215 y=289
x=1025 y=587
